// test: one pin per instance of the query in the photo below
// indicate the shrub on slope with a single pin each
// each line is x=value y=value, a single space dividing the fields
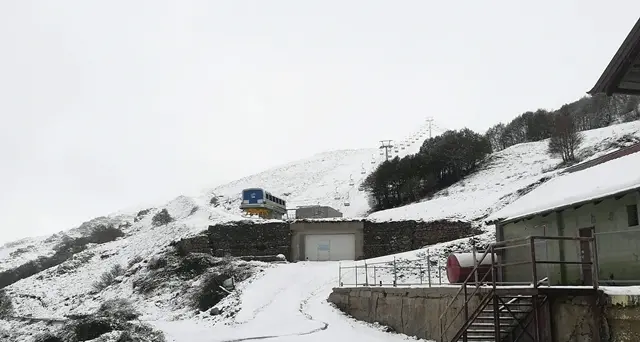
x=64 y=251
x=6 y=305
x=108 y=277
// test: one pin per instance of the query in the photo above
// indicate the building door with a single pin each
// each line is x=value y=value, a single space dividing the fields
x=325 y=247
x=585 y=255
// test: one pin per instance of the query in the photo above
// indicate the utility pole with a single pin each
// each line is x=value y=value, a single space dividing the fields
x=386 y=145
x=430 y=121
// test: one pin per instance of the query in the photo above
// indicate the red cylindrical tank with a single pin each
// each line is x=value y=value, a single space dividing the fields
x=460 y=265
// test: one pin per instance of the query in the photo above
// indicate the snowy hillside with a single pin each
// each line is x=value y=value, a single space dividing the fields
x=497 y=183
x=316 y=180
x=139 y=266
x=330 y=178
x=190 y=216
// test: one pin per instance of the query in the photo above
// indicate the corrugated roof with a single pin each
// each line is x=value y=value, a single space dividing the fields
x=608 y=179
x=622 y=75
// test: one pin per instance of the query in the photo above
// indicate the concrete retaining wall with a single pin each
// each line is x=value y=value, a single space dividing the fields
x=412 y=311
x=416 y=312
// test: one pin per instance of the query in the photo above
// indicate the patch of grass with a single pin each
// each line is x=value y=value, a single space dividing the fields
x=214 y=201
x=118 y=308
x=141 y=214
x=48 y=337
x=103 y=234
x=6 y=304
x=157 y=262
x=161 y=218
x=108 y=277
x=137 y=259
x=210 y=292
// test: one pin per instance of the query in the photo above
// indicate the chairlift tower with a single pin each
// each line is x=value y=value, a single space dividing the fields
x=429 y=122
x=386 y=145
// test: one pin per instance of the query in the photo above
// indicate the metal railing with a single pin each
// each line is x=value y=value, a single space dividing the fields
x=476 y=282
x=427 y=271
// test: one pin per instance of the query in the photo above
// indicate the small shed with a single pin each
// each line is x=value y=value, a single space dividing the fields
x=600 y=201
x=316 y=211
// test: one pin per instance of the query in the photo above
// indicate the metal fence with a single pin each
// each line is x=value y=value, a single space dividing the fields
x=617 y=253
x=425 y=271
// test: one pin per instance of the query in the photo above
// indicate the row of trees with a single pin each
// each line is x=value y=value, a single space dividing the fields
x=587 y=113
x=448 y=158
x=442 y=161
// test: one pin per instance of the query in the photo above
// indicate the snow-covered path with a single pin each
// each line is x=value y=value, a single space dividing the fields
x=288 y=303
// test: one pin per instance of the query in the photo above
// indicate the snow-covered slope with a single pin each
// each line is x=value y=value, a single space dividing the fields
x=497 y=183
x=190 y=215
x=316 y=180
x=330 y=178
x=68 y=287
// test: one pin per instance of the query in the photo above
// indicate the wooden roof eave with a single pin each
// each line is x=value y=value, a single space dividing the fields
x=619 y=65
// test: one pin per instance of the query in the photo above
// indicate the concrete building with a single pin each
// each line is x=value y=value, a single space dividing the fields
x=327 y=240
x=599 y=201
x=316 y=211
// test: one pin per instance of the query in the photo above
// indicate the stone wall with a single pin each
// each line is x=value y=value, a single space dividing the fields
x=247 y=238
x=373 y=239
x=384 y=238
x=196 y=244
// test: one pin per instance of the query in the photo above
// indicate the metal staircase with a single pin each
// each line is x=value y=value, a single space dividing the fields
x=486 y=312
x=511 y=321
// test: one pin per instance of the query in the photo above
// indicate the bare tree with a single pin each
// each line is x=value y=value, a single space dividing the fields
x=565 y=137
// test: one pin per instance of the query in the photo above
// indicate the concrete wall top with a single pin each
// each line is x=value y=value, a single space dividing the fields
x=329 y=226
x=409 y=292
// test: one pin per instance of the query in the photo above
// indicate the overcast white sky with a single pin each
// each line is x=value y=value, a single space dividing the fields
x=108 y=104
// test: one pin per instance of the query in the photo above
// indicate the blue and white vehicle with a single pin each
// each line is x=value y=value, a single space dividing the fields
x=254 y=199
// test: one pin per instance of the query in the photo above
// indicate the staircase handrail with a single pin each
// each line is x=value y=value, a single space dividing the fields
x=468 y=297
x=491 y=248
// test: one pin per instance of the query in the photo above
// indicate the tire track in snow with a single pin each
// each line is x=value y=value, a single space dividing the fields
x=257 y=311
x=301 y=309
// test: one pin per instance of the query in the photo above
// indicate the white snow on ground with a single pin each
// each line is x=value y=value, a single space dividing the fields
x=496 y=183
x=288 y=303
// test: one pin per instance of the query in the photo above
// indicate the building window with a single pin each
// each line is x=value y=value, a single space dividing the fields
x=632 y=215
